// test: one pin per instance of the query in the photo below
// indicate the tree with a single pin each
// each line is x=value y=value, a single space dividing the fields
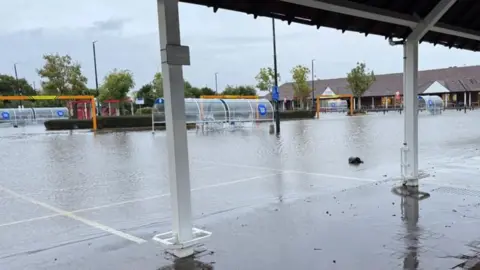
x=359 y=80
x=242 y=90
x=10 y=86
x=266 y=79
x=157 y=84
x=146 y=92
x=116 y=85
x=190 y=91
x=301 y=87
x=206 y=91
x=62 y=76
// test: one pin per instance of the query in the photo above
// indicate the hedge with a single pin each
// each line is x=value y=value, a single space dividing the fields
x=144 y=111
x=109 y=122
x=296 y=115
x=140 y=121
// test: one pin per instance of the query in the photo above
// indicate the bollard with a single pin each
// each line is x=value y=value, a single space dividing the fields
x=272 y=129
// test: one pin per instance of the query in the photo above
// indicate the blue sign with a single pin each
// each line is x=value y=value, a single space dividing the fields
x=60 y=113
x=159 y=101
x=275 y=94
x=5 y=115
x=262 y=109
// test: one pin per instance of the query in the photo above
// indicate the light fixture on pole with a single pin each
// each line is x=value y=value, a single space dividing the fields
x=313 y=84
x=276 y=113
x=96 y=75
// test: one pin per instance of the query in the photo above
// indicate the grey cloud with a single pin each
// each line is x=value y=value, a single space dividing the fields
x=110 y=25
x=233 y=44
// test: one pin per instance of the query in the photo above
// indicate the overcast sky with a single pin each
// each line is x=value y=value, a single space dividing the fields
x=233 y=44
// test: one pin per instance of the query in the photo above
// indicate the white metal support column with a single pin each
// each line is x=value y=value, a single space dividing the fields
x=409 y=151
x=183 y=238
x=410 y=144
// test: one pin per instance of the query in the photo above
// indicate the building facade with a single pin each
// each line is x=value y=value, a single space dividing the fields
x=457 y=86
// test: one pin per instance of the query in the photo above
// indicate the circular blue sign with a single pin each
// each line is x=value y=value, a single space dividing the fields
x=60 y=113
x=159 y=101
x=262 y=109
x=5 y=115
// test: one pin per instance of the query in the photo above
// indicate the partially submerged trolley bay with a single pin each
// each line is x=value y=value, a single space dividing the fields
x=96 y=201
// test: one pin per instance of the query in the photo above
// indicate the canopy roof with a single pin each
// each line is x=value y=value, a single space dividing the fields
x=459 y=27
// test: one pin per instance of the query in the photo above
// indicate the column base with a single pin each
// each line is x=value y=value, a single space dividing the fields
x=185 y=249
x=410 y=182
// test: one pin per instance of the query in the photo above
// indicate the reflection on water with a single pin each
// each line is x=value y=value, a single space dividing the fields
x=410 y=214
x=188 y=264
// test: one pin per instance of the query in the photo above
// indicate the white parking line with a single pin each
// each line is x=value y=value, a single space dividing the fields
x=28 y=220
x=117 y=203
x=75 y=217
x=288 y=171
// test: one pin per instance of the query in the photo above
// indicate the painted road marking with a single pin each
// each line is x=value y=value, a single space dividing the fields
x=289 y=171
x=117 y=203
x=99 y=184
x=28 y=220
x=75 y=217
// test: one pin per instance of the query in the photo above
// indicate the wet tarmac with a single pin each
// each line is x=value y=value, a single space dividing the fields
x=79 y=201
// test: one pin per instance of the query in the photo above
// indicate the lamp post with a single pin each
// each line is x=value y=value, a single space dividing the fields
x=313 y=84
x=216 y=82
x=18 y=91
x=276 y=113
x=96 y=75
x=95 y=65
x=17 y=85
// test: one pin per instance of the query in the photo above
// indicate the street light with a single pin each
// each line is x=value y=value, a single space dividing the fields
x=276 y=113
x=313 y=84
x=18 y=90
x=95 y=65
x=216 y=82
x=96 y=75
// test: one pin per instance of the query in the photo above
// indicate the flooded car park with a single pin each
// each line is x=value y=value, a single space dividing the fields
x=75 y=200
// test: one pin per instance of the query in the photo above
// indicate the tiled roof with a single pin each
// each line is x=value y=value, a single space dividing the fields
x=387 y=84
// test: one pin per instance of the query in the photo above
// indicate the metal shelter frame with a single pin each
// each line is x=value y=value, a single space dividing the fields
x=410 y=21
x=34 y=98
x=325 y=97
x=213 y=113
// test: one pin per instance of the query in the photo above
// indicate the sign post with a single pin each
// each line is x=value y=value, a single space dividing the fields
x=139 y=101
x=275 y=94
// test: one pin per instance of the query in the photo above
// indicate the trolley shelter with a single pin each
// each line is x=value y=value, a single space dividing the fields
x=334 y=97
x=215 y=113
x=45 y=113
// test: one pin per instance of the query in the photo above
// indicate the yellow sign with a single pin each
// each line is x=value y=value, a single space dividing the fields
x=229 y=97
x=43 y=97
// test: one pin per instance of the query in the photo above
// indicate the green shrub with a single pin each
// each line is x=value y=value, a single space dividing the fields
x=141 y=121
x=110 y=122
x=357 y=112
x=143 y=111
x=290 y=115
x=66 y=124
